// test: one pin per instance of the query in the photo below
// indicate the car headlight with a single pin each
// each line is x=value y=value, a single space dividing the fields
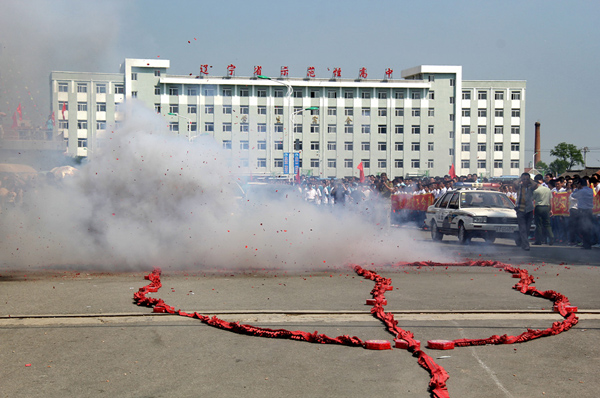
x=480 y=219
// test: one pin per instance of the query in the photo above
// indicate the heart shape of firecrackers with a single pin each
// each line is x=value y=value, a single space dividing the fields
x=404 y=339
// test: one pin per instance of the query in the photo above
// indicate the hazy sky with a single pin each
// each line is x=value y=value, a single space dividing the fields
x=553 y=45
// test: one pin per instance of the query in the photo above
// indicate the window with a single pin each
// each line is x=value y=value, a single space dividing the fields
x=451 y=134
x=297 y=93
x=314 y=163
x=416 y=129
x=430 y=163
x=366 y=112
x=348 y=163
x=399 y=94
x=314 y=128
x=227 y=109
x=466 y=95
x=382 y=94
x=209 y=127
x=348 y=112
x=430 y=146
x=119 y=89
x=466 y=112
x=314 y=112
x=82 y=87
x=226 y=144
x=515 y=147
x=100 y=88
x=278 y=145
x=261 y=110
x=498 y=147
x=515 y=130
x=451 y=100
x=415 y=146
x=399 y=146
x=381 y=146
x=261 y=145
x=366 y=163
x=452 y=82
x=192 y=91
x=331 y=94
x=82 y=125
x=465 y=164
x=381 y=112
x=499 y=112
x=349 y=129
x=209 y=91
x=481 y=130
x=314 y=93
x=481 y=164
x=515 y=95
x=157 y=73
x=451 y=151
x=101 y=107
x=227 y=127
x=365 y=146
x=514 y=164
x=244 y=109
x=261 y=92
x=192 y=109
x=261 y=127
x=415 y=95
x=381 y=163
x=244 y=92
x=481 y=147
x=497 y=164
x=365 y=94
x=348 y=94
x=415 y=163
x=430 y=112
x=193 y=126
x=481 y=112
x=261 y=162
x=174 y=126
x=431 y=94
x=331 y=146
x=331 y=111
x=399 y=163
x=173 y=108
x=452 y=117
x=82 y=106
x=348 y=146
x=226 y=92
x=399 y=111
x=156 y=90
x=209 y=109
x=331 y=128
x=63 y=124
x=173 y=90
x=382 y=129
x=465 y=147
x=498 y=130
x=278 y=110
x=81 y=142
x=365 y=129
x=64 y=87
x=101 y=125
x=466 y=129
x=515 y=112
x=399 y=129
x=278 y=128
x=278 y=93
x=134 y=94
x=430 y=129
x=331 y=163
x=499 y=95
x=482 y=95
x=244 y=127
x=297 y=128
x=157 y=108
x=416 y=112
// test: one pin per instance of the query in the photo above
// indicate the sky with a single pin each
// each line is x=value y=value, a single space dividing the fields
x=553 y=45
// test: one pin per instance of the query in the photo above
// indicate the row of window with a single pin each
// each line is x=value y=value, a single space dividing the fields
x=101 y=88
x=482 y=164
x=497 y=130
x=498 y=95
x=332 y=163
x=482 y=112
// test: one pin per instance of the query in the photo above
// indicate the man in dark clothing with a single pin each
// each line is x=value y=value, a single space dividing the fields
x=584 y=196
x=524 y=208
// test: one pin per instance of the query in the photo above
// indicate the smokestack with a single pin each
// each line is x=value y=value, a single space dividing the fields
x=537 y=154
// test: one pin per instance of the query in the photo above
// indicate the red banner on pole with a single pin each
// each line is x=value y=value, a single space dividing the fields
x=560 y=203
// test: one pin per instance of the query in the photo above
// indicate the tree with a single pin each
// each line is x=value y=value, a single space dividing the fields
x=558 y=166
x=541 y=167
x=568 y=154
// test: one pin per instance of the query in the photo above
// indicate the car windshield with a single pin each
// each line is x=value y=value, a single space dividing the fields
x=485 y=199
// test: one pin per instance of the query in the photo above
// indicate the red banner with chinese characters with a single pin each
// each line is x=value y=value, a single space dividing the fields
x=596 y=208
x=560 y=203
x=412 y=202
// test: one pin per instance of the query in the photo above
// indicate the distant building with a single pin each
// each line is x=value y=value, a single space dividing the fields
x=417 y=125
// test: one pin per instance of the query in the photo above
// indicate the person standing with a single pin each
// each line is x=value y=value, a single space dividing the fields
x=541 y=198
x=524 y=208
x=584 y=196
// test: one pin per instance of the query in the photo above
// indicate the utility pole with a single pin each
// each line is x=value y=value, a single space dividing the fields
x=585 y=150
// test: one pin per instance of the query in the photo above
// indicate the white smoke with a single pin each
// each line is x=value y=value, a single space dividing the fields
x=148 y=198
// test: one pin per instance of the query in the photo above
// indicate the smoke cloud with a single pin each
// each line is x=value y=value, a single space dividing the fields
x=149 y=198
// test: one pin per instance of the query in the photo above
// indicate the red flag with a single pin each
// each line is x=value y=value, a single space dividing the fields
x=362 y=172
x=19 y=112
x=64 y=108
x=298 y=176
x=452 y=172
x=53 y=120
x=14 y=125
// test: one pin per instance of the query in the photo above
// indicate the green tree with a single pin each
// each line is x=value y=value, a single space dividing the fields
x=568 y=154
x=558 y=166
x=541 y=167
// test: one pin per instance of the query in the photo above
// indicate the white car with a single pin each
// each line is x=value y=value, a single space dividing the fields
x=471 y=214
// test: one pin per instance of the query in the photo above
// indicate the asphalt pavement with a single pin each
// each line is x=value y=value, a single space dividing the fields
x=69 y=332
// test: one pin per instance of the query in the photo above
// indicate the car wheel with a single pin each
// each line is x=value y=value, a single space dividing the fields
x=490 y=237
x=436 y=235
x=463 y=235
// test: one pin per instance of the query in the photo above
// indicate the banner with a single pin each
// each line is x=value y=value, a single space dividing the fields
x=560 y=203
x=596 y=208
x=412 y=202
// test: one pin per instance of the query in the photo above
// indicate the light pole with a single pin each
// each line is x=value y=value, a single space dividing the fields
x=188 y=124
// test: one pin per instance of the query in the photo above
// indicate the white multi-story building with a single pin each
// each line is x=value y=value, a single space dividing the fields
x=418 y=125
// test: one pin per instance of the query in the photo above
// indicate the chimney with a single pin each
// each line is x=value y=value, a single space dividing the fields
x=537 y=154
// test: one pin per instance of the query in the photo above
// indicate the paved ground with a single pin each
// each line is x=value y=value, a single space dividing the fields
x=83 y=336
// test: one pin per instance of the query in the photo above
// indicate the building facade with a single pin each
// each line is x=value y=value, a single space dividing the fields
x=420 y=124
